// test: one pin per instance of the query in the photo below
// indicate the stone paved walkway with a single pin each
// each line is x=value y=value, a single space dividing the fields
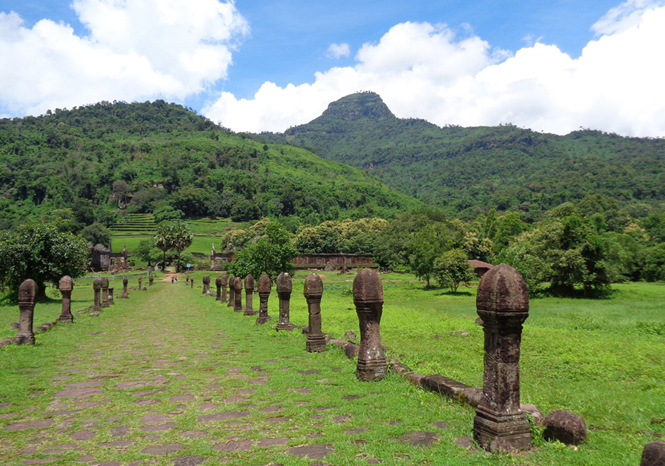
x=152 y=381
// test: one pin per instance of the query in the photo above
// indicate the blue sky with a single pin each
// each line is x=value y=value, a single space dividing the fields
x=271 y=51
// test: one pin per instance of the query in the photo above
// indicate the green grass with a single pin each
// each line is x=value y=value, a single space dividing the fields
x=602 y=359
x=200 y=244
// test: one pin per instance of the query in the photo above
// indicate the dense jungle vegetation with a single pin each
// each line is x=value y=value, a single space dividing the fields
x=90 y=163
x=460 y=170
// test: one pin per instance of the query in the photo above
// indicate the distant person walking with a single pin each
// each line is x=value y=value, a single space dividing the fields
x=172 y=278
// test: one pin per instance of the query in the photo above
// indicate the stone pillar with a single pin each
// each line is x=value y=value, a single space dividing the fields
x=105 y=292
x=232 y=291
x=66 y=286
x=124 y=288
x=218 y=284
x=150 y=280
x=225 y=281
x=316 y=341
x=111 y=303
x=368 y=298
x=27 y=293
x=237 y=292
x=140 y=283
x=187 y=279
x=191 y=282
x=206 y=284
x=503 y=305
x=284 y=288
x=264 y=294
x=97 y=287
x=249 y=289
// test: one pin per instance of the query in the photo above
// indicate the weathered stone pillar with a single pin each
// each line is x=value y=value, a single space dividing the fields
x=191 y=282
x=105 y=292
x=97 y=287
x=368 y=298
x=66 y=286
x=187 y=279
x=249 y=289
x=206 y=284
x=264 y=294
x=218 y=284
x=232 y=291
x=27 y=293
x=125 y=294
x=140 y=283
x=111 y=303
x=316 y=341
x=237 y=292
x=151 y=279
x=225 y=281
x=284 y=288
x=503 y=305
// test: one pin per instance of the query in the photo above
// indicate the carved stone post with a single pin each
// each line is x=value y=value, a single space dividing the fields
x=264 y=294
x=232 y=291
x=206 y=284
x=151 y=279
x=105 y=292
x=111 y=303
x=225 y=281
x=66 y=286
x=237 y=292
x=140 y=283
x=27 y=293
x=124 y=288
x=96 y=307
x=218 y=284
x=187 y=279
x=249 y=289
x=503 y=305
x=191 y=282
x=316 y=341
x=368 y=298
x=284 y=288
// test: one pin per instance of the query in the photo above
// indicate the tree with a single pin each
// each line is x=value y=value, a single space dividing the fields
x=181 y=238
x=97 y=234
x=424 y=247
x=271 y=254
x=163 y=240
x=41 y=252
x=453 y=269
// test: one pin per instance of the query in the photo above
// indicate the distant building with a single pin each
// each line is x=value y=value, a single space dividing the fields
x=479 y=267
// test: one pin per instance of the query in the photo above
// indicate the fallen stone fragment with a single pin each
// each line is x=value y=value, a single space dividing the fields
x=566 y=427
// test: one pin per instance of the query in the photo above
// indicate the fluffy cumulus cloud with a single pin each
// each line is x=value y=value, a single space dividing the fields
x=426 y=71
x=135 y=49
x=339 y=50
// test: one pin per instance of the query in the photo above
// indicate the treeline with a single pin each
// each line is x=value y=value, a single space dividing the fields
x=464 y=170
x=90 y=164
x=583 y=247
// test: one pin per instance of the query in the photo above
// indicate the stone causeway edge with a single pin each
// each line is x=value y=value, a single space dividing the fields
x=42 y=328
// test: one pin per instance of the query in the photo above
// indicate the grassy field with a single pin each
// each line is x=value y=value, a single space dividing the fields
x=602 y=359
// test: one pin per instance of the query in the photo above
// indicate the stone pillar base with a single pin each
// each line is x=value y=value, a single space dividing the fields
x=286 y=327
x=501 y=433
x=316 y=343
x=262 y=319
x=250 y=312
x=369 y=371
x=24 y=339
x=66 y=319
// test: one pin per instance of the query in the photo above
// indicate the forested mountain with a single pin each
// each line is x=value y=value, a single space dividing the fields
x=87 y=162
x=463 y=169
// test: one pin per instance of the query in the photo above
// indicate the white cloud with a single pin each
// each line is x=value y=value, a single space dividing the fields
x=136 y=49
x=423 y=70
x=339 y=50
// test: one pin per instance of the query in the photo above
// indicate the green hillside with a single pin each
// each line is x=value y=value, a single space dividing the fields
x=460 y=169
x=95 y=162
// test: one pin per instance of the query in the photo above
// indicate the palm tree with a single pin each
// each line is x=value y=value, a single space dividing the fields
x=181 y=238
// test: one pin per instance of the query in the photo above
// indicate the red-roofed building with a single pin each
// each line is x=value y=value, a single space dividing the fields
x=479 y=267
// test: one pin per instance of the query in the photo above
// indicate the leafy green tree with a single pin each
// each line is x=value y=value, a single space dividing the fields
x=654 y=267
x=271 y=254
x=145 y=251
x=167 y=214
x=520 y=255
x=424 y=247
x=97 y=234
x=181 y=238
x=452 y=269
x=163 y=240
x=41 y=252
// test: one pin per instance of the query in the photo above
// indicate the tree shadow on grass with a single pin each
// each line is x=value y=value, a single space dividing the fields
x=454 y=293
